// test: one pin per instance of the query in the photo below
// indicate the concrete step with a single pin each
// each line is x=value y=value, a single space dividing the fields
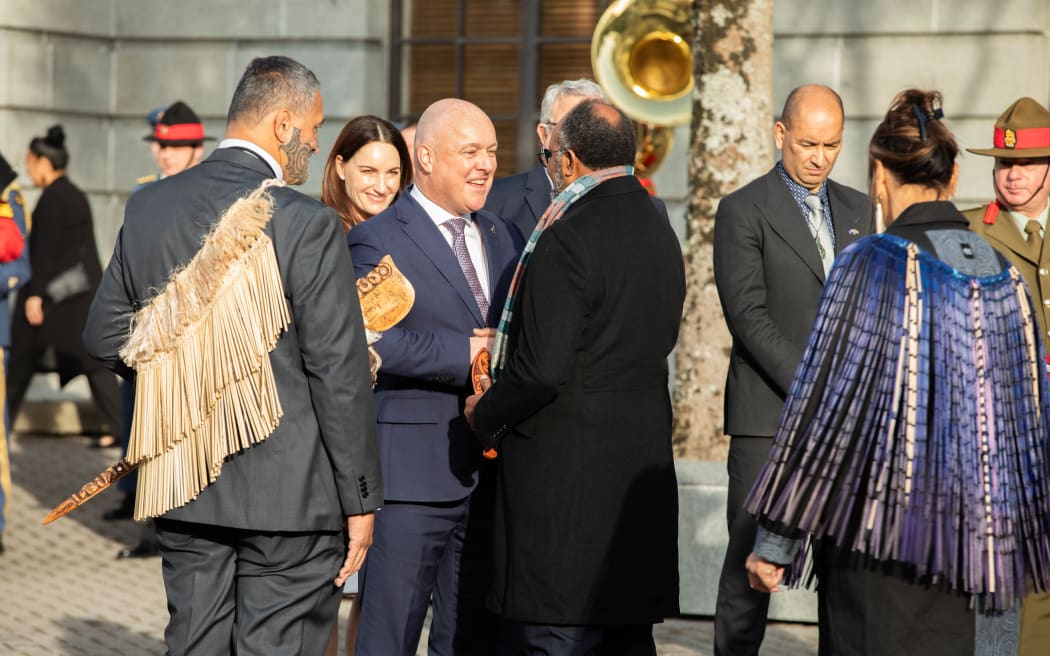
x=52 y=410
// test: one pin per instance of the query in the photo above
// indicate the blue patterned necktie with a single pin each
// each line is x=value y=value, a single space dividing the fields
x=455 y=226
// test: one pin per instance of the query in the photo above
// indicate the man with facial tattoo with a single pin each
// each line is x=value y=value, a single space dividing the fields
x=230 y=299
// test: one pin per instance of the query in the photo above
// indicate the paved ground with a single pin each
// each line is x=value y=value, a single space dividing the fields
x=64 y=593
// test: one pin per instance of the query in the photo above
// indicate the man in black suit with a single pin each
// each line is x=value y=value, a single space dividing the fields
x=586 y=521
x=522 y=198
x=255 y=563
x=775 y=240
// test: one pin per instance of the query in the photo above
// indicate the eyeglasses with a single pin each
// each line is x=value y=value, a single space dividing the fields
x=544 y=156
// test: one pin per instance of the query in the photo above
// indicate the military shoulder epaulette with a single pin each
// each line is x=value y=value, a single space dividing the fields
x=146 y=179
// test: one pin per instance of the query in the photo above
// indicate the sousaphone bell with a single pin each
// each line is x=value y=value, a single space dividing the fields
x=641 y=56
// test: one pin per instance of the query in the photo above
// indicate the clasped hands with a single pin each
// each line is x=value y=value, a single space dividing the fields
x=763 y=575
x=483 y=338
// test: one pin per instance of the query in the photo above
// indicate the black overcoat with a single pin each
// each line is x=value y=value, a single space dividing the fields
x=586 y=521
x=61 y=244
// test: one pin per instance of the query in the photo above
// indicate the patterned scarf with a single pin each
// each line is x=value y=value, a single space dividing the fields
x=575 y=191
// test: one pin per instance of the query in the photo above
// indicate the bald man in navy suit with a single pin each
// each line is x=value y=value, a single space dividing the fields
x=460 y=259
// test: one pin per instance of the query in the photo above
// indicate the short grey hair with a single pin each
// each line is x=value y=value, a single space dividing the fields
x=582 y=87
x=271 y=83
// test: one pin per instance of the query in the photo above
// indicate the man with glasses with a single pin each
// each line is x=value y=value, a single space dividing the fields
x=522 y=198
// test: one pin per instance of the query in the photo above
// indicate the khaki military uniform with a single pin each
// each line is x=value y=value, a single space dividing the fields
x=1003 y=235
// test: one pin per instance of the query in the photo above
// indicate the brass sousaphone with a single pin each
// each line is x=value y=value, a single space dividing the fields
x=642 y=58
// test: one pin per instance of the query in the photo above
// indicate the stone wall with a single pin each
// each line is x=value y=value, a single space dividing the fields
x=99 y=66
x=981 y=55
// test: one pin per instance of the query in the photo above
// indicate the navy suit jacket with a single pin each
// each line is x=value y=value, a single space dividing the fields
x=521 y=199
x=428 y=451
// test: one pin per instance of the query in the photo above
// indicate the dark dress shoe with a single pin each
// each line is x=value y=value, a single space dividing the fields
x=140 y=550
x=125 y=510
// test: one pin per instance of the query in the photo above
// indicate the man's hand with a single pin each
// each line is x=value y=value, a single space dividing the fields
x=482 y=339
x=763 y=575
x=35 y=310
x=472 y=400
x=359 y=528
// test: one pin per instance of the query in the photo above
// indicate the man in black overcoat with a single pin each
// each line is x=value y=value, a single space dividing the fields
x=255 y=563
x=586 y=524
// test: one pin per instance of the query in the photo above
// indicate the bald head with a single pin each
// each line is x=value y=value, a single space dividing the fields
x=807 y=96
x=809 y=134
x=455 y=155
x=440 y=119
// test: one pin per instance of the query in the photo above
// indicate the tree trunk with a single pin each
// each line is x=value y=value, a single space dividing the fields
x=731 y=145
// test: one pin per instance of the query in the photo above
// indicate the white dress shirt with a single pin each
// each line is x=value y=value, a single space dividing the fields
x=265 y=156
x=471 y=234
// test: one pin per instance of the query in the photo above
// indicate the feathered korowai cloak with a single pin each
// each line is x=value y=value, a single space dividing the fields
x=916 y=427
x=204 y=383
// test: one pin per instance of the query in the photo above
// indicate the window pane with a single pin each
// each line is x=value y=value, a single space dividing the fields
x=489 y=18
x=563 y=62
x=491 y=81
x=507 y=135
x=431 y=18
x=560 y=18
x=432 y=75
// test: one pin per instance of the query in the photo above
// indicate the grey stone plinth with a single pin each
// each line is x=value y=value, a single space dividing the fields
x=702 y=488
x=51 y=410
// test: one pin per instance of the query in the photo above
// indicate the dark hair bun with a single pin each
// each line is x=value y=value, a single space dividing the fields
x=56 y=137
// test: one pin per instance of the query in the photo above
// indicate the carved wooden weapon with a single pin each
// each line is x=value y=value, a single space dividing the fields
x=479 y=369
x=386 y=297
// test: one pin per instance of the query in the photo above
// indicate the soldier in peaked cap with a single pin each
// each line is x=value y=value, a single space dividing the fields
x=1015 y=225
x=1015 y=222
x=180 y=135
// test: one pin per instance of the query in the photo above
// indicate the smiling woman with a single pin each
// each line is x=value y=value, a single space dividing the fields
x=367 y=168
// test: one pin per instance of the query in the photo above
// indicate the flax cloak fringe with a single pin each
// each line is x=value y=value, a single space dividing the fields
x=205 y=387
x=916 y=428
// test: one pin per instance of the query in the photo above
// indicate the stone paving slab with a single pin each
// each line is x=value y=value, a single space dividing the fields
x=64 y=593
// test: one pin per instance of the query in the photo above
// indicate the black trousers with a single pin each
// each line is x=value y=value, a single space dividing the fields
x=740 y=612
x=522 y=639
x=233 y=591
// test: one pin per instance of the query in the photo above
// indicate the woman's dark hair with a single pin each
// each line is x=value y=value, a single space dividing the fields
x=52 y=146
x=355 y=135
x=913 y=143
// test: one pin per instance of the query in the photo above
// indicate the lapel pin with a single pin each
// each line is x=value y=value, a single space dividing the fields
x=492 y=228
x=854 y=232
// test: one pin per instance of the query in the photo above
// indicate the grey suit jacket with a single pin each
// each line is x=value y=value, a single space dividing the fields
x=321 y=462
x=770 y=279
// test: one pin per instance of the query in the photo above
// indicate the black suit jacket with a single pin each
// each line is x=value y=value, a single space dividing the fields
x=586 y=506
x=521 y=199
x=321 y=462
x=769 y=277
